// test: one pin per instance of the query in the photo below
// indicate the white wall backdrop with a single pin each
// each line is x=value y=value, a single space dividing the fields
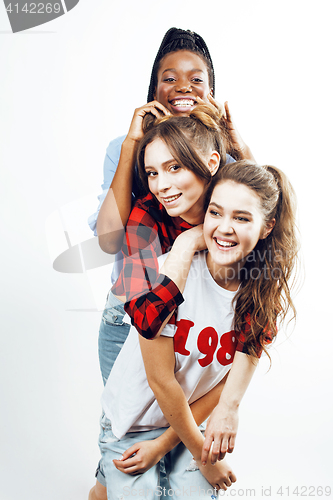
x=68 y=88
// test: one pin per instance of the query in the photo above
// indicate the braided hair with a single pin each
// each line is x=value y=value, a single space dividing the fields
x=176 y=39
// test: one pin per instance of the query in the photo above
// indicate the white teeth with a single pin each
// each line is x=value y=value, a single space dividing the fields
x=172 y=198
x=183 y=102
x=225 y=243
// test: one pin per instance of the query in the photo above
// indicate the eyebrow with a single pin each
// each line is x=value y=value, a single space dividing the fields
x=165 y=164
x=234 y=211
x=195 y=70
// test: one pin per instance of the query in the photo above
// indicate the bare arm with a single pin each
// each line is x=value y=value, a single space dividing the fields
x=178 y=263
x=222 y=424
x=236 y=147
x=240 y=150
x=115 y=210
x=116 y=207
x=148 y=453
x=159 y=360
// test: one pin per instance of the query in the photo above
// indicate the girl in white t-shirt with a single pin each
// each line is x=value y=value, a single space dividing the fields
x=249 y=231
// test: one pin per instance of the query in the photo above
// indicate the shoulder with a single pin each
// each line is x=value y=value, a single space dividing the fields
x=115 y=146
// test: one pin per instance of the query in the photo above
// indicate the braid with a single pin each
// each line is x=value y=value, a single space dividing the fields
x=178 y=39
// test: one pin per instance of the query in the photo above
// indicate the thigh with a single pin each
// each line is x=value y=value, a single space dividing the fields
x=112 y=334
x=185 y=479
x=122 y=486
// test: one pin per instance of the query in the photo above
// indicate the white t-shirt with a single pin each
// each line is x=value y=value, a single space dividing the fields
x=204 y=343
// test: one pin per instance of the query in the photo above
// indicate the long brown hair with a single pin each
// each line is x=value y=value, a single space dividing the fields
x=264 y=294
x=188 y=138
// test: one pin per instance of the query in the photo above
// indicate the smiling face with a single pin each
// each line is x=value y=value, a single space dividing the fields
x=233 y=225
x=180 y=190
x=181 y=78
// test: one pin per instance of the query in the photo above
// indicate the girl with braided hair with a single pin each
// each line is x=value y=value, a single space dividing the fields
x=182 y=77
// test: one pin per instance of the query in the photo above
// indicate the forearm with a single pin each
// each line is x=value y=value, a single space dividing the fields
x=178 y=263
x=246 y=154
x=159 y=361
x=176 y=410
x=151 y=310
x=201 y=409
x=222 y=425
x=240 y=375
x=179 y=260
x=116 y=207
x=176 y=267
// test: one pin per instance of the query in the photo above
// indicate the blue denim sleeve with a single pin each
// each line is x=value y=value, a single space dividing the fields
x=110 y=166
x=230 y=159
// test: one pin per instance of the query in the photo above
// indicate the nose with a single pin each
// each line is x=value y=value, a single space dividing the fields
x=183 y=85
x=163 y=182
x=226 y=225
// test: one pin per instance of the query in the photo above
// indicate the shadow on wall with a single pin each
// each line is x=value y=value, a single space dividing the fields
x=73 y=250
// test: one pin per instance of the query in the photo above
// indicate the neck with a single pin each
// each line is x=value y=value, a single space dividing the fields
x=194 y=219
x=225 y=276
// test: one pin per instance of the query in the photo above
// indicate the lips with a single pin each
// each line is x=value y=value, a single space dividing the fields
x=225 y=244
x=183 y=103
x=171 y=199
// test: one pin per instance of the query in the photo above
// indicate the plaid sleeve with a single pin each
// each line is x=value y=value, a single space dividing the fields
x=150 y=296
x=241 y=344
x=150 y=310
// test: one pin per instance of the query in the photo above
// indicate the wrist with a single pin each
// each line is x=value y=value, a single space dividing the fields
x=231 y=403
x=166 y=443
x=245 y=152
x=130 y=143
x=185 y=245
x=196 y=447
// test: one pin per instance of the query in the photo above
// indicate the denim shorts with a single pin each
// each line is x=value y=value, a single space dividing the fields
x=113 y=332
x=182 y=476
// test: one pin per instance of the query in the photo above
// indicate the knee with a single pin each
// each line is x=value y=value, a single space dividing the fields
x=98 y=492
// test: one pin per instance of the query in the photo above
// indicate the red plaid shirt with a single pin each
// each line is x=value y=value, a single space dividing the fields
x=150 y=296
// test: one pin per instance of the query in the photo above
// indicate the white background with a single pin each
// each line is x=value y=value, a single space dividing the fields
x=67 y=89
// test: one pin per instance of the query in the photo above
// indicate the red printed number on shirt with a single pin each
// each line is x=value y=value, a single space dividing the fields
x=207 y=343
x=225 y=353
x=180 y=338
